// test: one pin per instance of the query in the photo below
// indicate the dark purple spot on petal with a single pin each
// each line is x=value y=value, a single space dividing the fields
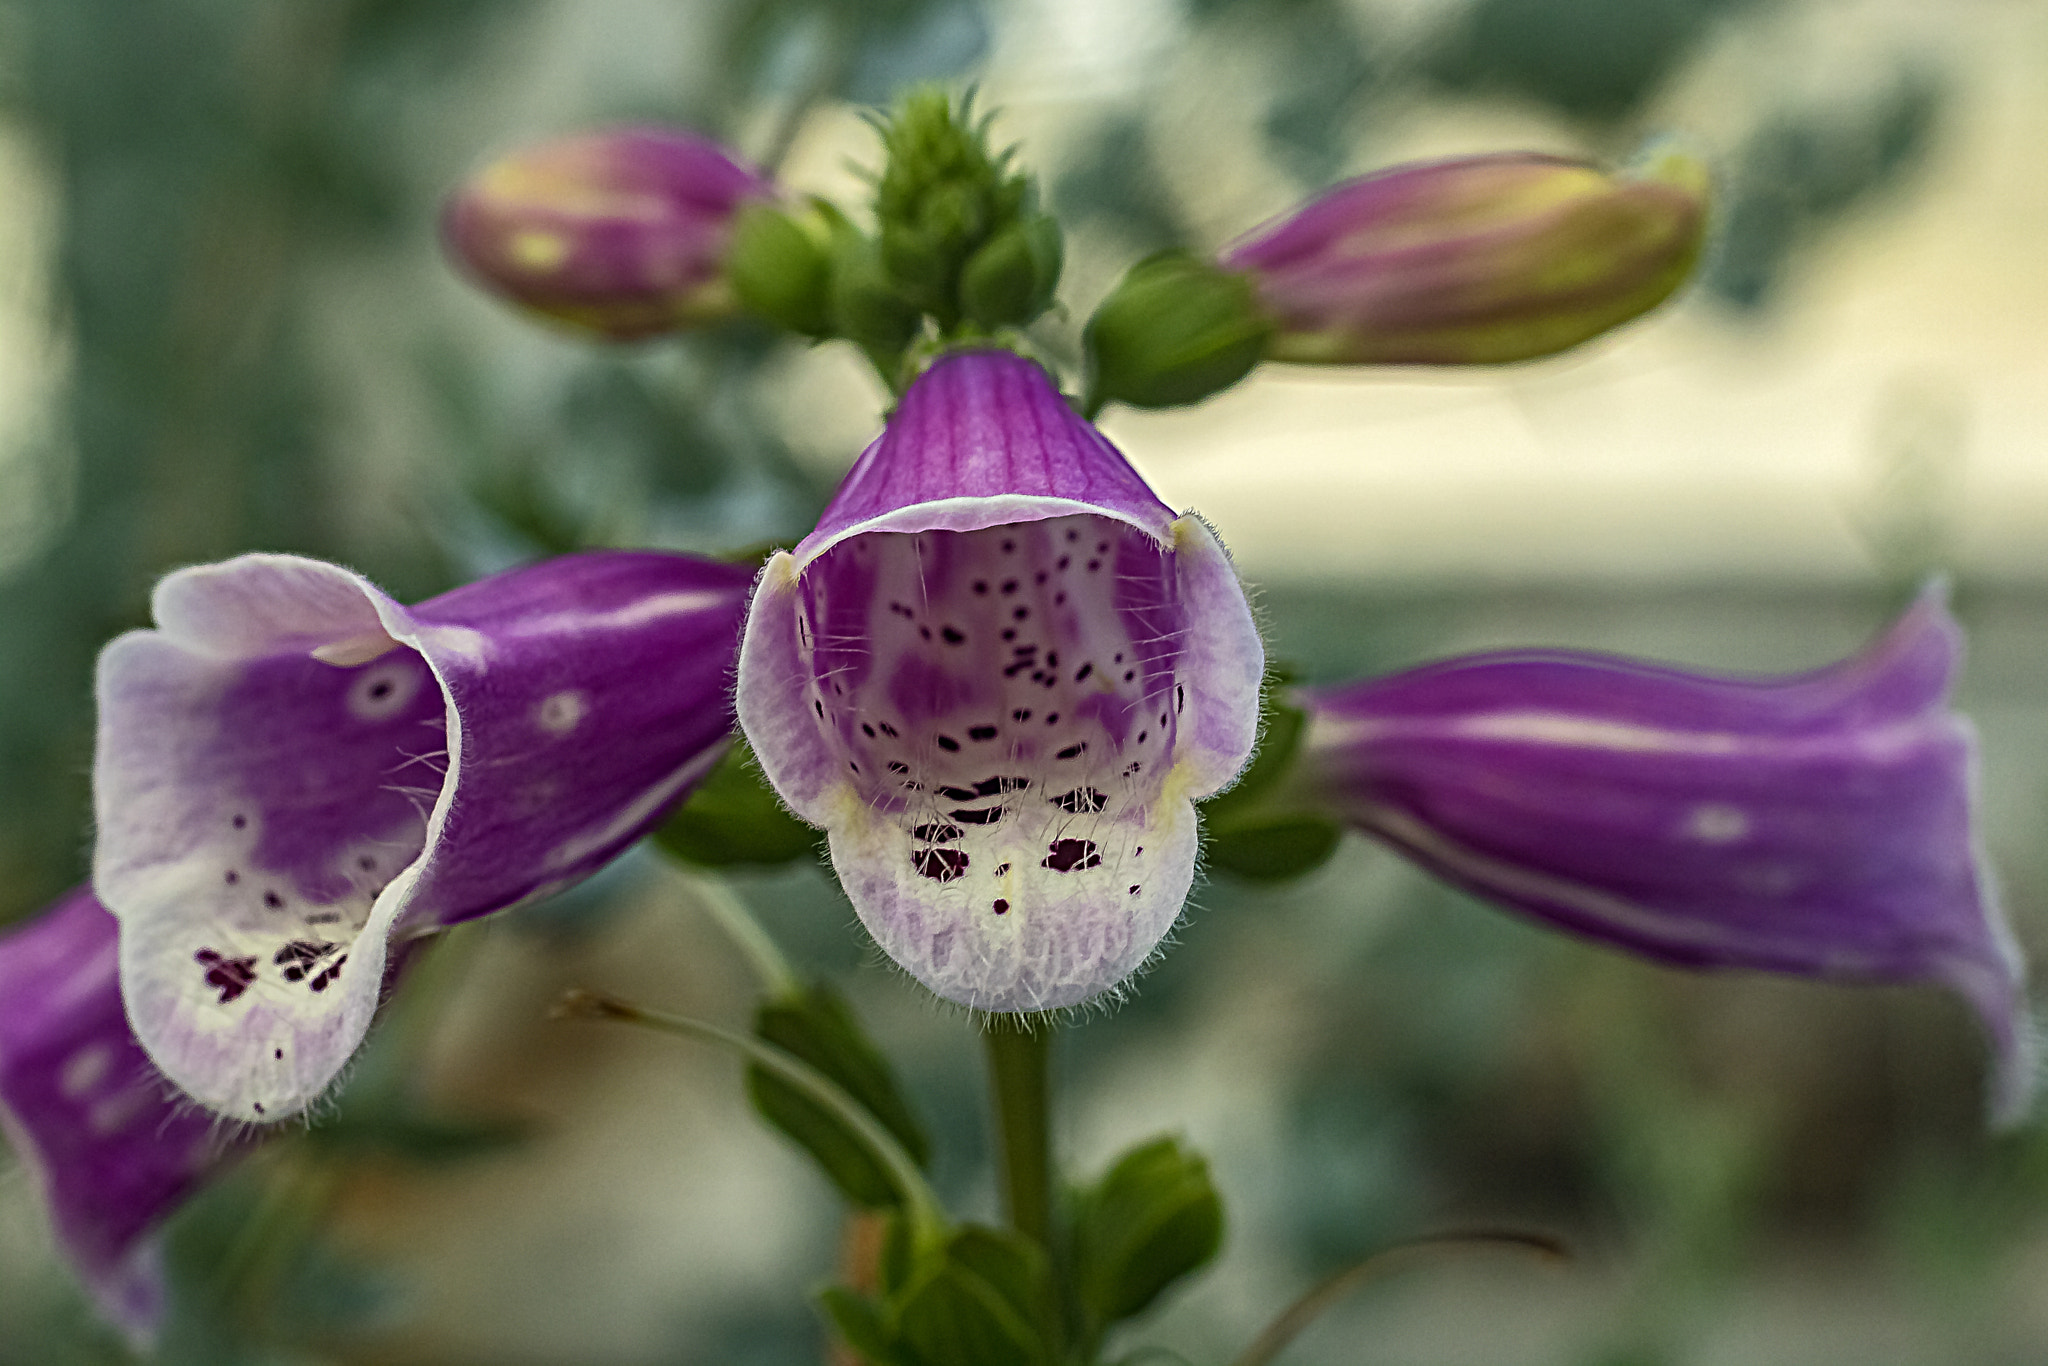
x=1083 y=672
x=273 y=900
x=895 y=767
x=987 y=815
x=940 y=865
x=233 y=877
x=240 y=822
x=1142 y=735
x=981 y=732
x=999 y=906
x=229 y=976
x=1130 y=674
x=1009 y=585
x=934 y=833
x=958 y=794
x=277 y=1053
x=1009 y=546
x=888 y=729
x=1073 y=751
x=1059 y=599
x=867 y=730
x=1052 y=718
x=1134 y=890
x=1021 y=613
x=925 y=631
x=366 y=863
x=1063 y=562
x=948 y=743
x=988 y=787
x=952 y=636
x=1009 y=633
x=1073 y=535
x=1081 y=799
x=332 y=971
x=1094 y=565
x=1064 y=856
x=981 y=585
x=1002 y=868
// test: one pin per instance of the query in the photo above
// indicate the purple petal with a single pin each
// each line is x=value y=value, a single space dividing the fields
x=1818 y=824
x=996 y=700
x=294 y=768
x=983 y=438
x=621 y=232
x=111 y=1146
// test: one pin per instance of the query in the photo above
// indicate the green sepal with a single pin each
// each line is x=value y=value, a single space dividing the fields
x=1153 y=1218
x=1248 y=834
x=781 y=269
x=1010 y=280
x=734 y=817
x=867 y=308
x=816 y=1026
x=860 y=1325
x=986 y=1300
x=1174 y=331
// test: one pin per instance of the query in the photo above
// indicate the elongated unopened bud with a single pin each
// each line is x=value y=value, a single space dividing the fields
x=1474 y=260
x=623 y=233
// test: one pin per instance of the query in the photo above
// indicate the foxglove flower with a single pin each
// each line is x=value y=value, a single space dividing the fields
x=623 y=233
x=293 y=771
x=1473 y=259
x=112 y=1149
x=998 y=674
x=1818 y=824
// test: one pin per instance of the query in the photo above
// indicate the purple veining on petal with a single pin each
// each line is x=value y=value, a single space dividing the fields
x=293 y=768
x=113 y=1149
x=1818 y=824
x=976 y=674
x=983 y=438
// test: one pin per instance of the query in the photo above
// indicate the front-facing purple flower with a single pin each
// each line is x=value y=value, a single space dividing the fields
x=293 y=771
x=1817 y=824
x=112 y=1149
x=998 y=674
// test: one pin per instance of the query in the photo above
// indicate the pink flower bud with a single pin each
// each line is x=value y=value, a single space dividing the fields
x=1474 y=260
x=622 y=233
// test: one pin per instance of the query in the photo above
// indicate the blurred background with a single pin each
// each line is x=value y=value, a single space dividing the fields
x=225 y=325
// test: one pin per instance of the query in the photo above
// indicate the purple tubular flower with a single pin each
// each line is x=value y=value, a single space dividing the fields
x=998 y=674
x=1817 y=824
x=83 y=1108
x=1473 y=260
x=294 y=770
x=622 y=233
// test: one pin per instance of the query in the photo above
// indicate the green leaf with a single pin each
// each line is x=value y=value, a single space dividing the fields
x=1273 y=850
x=1153 y=1218
x=817 y=1027
x=734 y=817
x=987 y=1302
x=860 y=1326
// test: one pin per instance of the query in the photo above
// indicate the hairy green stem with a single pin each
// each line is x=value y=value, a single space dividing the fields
x=1018 y=1050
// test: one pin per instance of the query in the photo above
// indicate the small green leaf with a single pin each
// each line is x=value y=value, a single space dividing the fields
x=1153 y=1218
x=859 y=1325
x=1273 y=851
x=734 y=817
x=986 y=1302
x=816 y=1026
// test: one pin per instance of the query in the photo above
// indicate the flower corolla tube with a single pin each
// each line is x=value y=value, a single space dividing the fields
x=294 y=772
x=110 y=1146
x=999 y=673
x=1817 y=824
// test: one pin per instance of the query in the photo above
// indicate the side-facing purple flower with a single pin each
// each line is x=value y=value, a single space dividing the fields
x=293 y=770
x=998 y=674
x=1817 y=824
x=1473 y=260
x=623 y=233
x=111 y=1147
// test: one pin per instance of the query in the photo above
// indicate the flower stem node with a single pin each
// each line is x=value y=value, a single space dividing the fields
x=998 y=674
x=1475 y=260
x=621 y=233
x=295 y=774
x=1175 y=330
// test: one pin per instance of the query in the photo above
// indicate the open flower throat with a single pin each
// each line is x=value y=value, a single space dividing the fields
x=981 y=675
x=1005 y=700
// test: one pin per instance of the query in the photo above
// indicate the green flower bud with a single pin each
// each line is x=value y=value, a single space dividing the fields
x=1174 y=331
x=1010 y=280
x=781 y=268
